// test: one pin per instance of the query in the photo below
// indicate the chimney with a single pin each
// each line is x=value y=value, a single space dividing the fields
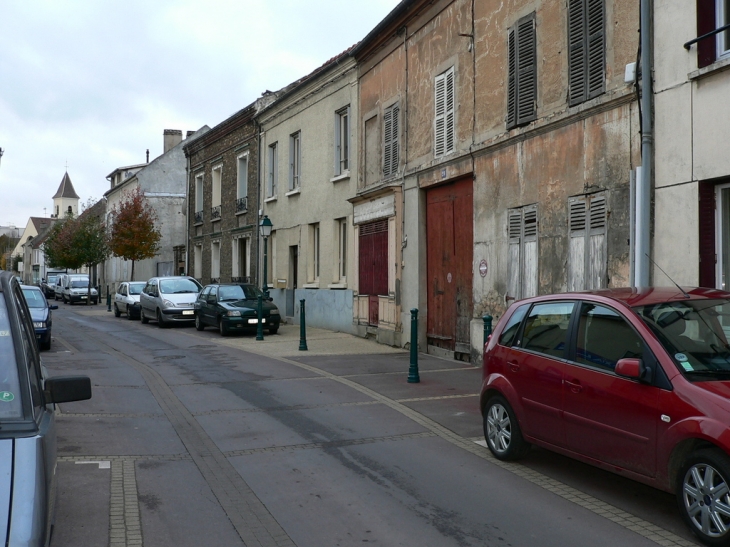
x=173 y=137
x=148 y=155
x=189 y=134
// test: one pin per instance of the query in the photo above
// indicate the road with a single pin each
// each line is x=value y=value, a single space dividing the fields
x=195 y=439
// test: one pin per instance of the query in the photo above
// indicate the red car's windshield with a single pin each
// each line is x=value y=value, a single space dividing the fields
x=695 y=333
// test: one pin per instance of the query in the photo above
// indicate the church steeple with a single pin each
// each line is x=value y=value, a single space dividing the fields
x=66 y=199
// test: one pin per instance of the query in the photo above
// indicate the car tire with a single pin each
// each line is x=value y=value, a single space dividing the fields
x=143 y=317
x=222 y=328
x=129 y=314
x=45 y=345
x=703 y=473
x=160 y=322
x=502 y=432
x=198 y=323
x=274 y=330
x=117 y=313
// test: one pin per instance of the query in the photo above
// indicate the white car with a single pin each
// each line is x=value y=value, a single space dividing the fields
x=126 y=299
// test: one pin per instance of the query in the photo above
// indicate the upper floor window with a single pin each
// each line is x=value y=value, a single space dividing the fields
x=391 y=156
x=342 y=248
x=242 y=177
x=522 y=72
x=723 y=18
x=444 y=117
x=273 y=164
x=342 y=141
x=199 y=198
x=295 y=160
x=586 y=50
x=216 y=194
x=712 y=15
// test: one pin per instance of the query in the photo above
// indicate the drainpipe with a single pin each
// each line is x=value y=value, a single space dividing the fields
x=643 y=186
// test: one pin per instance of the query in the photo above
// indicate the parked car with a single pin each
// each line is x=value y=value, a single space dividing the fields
x=40 y=312
x=233 y=307
x=169 y=300
x=48 y=284
x=75 y=288
x=126 y=299
x=28 y=443
x=636 y=382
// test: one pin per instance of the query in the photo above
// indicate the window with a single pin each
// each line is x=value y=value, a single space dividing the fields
x=314 y=251
x=546 y=328
x=604 y=337
x=199 y=198
x=216 y=193
x=391 y=120
x=273 y=176
x=522 y=234
x=198 y=262
x=509 y=334
x=342 y=248
x=372 y=151
x=587 y=257
x=586 y=46
x=241 y=261
x=723 y=18
x=215 y=260
x=522 y=72
x=712 y=15
x=342 y=141
x=295 y=160
x=444 y=118
x=242 y=184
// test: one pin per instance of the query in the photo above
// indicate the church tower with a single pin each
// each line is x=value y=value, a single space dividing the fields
x=66 y=199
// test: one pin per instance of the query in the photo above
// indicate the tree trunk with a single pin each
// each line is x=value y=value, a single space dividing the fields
x=132 y=278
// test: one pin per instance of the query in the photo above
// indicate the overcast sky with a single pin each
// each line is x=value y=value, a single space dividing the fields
x=94 y=83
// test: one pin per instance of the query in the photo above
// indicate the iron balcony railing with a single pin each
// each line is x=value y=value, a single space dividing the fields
x=246 y=279
x=215 y=279
x=242 y=204
x=215 y=213
x=199 y=217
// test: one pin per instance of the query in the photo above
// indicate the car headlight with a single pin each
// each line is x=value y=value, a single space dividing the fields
x=168 y=304
x=233 y=313
x=39 y=324
x=274 y=311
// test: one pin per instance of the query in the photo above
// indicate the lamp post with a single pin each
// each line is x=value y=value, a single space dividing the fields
x=265 y=227
x=1 y=153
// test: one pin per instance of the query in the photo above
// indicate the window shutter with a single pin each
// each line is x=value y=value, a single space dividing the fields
x=596 y=47
x=529 y=252
x=449 y=136
x=707 y=249
x=576 y=52
x=706 y=22
x=511 y=81
x=388 y=141
x=395 y=157
x=514 y=235
x=439 y=118
x=526 y=70
x=577 y=243
x=597 y=257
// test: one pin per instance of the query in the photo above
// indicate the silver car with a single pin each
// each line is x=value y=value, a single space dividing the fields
x=169 y=300
x=126 y=299
x=27 y=425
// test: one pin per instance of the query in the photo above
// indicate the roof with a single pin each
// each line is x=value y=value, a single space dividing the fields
x=387 y=27
x=43 y=234
x=127 y=168
x=40 y=223
x=643 y=296
x=66 y=189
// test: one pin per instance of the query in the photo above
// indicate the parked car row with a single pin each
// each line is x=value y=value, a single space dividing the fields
x=69 y=288
x=229 y=307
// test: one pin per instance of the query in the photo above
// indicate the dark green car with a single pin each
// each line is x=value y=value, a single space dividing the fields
x=232 y=307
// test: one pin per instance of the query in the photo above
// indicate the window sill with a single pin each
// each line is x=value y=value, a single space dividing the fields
x=314 y=285
x=717 y=66
x=343 y=176
x=270 y=199
x=339 y=286
x=293 y=192
x=243 y=212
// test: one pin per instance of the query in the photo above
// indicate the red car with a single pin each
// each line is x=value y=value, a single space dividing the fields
x=635 y=381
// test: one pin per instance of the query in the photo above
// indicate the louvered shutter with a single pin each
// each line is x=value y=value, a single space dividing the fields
x=387 y=141
x=395 y=158
x=576 y=52
x=577 y=242
x=596 y=47
x=439 y=118
x=449 y=130
x=526 y=70
x=529 y=251
x=514 y=236
x=511 y=81
x=596 y=244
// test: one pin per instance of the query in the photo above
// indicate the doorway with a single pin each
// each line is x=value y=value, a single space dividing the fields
x=293 y=279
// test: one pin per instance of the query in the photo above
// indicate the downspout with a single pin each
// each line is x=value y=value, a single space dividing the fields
x=643 y=186
x=188 y=239
x=260 y=211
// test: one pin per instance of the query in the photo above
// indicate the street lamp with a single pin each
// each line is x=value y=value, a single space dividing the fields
x=1 y=153
x=265 y=227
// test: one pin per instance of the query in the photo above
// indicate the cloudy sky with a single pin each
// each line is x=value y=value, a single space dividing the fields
x=93 y=84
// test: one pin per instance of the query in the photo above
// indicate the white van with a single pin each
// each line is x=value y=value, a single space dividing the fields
x=75 y=288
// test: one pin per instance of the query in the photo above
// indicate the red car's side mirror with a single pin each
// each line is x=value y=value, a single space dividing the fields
x=629 y=368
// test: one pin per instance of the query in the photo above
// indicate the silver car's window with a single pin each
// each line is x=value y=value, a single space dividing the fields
x=136 y=288
x=34 y=298
x=546 y=328
x=178 y=286
x=10 y=402
x=695 y=334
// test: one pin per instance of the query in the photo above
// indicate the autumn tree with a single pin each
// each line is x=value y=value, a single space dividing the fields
x=133 y=232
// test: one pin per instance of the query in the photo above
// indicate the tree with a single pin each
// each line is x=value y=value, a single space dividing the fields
x=133 y=232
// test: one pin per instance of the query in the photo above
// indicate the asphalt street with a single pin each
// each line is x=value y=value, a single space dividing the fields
x=196 y=439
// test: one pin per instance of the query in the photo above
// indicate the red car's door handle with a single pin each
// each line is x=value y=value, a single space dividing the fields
x=514 y=366
x=575 y=386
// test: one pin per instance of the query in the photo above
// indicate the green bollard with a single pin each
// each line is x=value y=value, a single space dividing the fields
x=487 y=328
x=413 y=377
x=302 y=327
x=108 y=299
x=260 y=313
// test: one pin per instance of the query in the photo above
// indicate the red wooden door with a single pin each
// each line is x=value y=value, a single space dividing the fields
x=450 y=240
x=373 y=264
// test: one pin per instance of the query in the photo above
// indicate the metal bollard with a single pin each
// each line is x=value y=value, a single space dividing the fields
x=260 y=313
x=302 y=327
x=108 y=299
x=487 y=327
x=413 y=377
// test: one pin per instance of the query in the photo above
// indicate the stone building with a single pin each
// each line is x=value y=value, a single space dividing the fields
x=308 y=173
x=692 y=166
x=497 y=141
x=223 y=201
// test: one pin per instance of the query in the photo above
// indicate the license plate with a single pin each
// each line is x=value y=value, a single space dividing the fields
x=188 y=312
x=83 y=298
